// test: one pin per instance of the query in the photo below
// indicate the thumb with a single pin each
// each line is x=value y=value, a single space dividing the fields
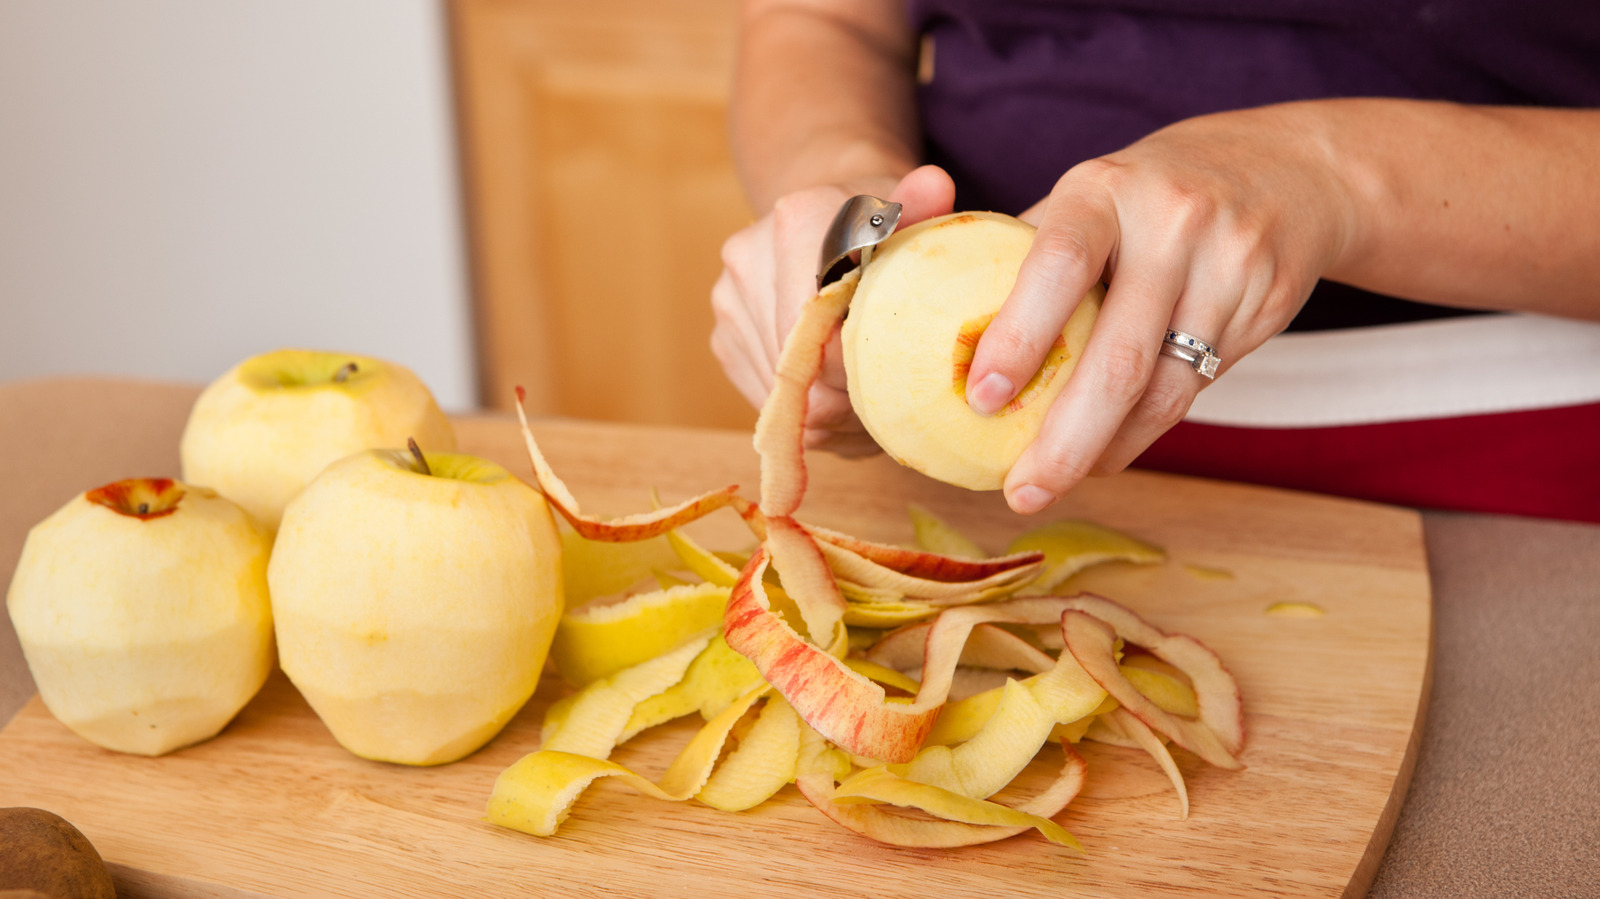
x=924 y=192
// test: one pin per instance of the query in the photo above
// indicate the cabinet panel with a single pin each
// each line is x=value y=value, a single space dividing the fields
x=600 y=190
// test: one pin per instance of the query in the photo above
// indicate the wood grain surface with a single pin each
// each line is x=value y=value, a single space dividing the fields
x=273 y=806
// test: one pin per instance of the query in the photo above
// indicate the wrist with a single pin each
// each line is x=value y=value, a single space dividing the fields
x=858 y=165
x=1341 y=135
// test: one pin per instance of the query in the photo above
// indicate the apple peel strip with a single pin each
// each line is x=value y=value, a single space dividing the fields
x=1092 y=642
x=780 y=428
x=1216 y=692
x=1069 y=547
x=815 y=775
x=852 y=566
x=807 y=578
x=851 y=709
x=1143 y=737
x=597 y=641
x=761 y=765
x=848 y=709
x=988 y=646
x=640 y=526
x=879 y=785
x=537 y=793
x=926 y=565
x=935 y=535
x=591 y=721
x=715 y=679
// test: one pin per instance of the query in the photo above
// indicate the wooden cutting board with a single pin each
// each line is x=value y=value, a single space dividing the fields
x=273 y=806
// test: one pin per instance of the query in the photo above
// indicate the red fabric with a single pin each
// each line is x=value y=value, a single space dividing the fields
x=1543 y=463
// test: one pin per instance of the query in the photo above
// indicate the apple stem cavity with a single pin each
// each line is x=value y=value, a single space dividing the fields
x=344 y=372
x=416 y=453
x=143 y=498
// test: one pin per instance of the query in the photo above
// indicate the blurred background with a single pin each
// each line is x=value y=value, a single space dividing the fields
x=491 y=192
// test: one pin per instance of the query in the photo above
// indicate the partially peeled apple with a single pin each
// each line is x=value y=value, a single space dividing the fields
x=415 y=597
x=925 y=297
x=142 y=610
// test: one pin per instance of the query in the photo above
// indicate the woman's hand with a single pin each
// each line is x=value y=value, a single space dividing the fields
x=770 y=270
x=1218 y=226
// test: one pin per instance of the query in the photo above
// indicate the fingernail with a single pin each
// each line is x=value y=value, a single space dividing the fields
x=1029 y=499
x=990 y=394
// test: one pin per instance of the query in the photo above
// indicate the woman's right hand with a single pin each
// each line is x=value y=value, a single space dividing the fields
x=770 y=270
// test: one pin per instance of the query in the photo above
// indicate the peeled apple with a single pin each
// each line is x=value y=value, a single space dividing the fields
x=142 y=610
x=924 y=299
x=415 y=605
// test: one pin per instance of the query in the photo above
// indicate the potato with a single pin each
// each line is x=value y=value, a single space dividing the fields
x=46 y=856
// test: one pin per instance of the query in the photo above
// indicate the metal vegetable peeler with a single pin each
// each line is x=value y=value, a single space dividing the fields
x=862 y=222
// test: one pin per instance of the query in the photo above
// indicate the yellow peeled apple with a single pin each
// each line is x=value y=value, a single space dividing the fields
x=924 y=299
x=142 y=611
x=263 y=430
x=414 y=610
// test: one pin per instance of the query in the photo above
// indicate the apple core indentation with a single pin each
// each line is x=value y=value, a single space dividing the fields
x=142 y=498
x=966 y=347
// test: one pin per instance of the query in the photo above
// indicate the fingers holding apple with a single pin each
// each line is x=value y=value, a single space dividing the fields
x=923 y=302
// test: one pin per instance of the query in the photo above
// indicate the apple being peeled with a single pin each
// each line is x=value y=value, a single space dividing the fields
x=415 y=600
x=923 y=301
x=142 y=610
x=263 y=430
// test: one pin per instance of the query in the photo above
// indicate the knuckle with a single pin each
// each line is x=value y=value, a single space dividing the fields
x=724 y=297
x=1063 y=252
x=1249 y=249
x=1166 y=403
x=1123 y=370
x=1011 y=348
x=719 y=347
x=1098 y=170
x=1107 y=467
x=1057 y=469
x=736 y=249
x=1190 y=204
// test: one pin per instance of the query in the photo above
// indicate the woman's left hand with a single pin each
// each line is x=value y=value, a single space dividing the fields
x=1218 y=226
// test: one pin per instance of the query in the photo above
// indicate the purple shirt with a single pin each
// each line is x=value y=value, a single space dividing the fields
x=1022 y=91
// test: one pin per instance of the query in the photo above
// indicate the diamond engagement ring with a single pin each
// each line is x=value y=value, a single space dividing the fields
x=1191 y=349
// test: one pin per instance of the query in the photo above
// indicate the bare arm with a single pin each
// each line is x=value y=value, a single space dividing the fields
x=823 y=95
x=1220 y=225
x=823 y=108
x=1483 y=207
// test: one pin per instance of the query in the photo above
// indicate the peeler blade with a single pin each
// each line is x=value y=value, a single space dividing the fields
x=862 y=221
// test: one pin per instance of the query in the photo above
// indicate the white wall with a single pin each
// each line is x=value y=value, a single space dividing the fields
x=184 y=183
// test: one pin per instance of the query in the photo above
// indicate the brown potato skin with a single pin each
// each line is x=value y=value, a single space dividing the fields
x=46 y=856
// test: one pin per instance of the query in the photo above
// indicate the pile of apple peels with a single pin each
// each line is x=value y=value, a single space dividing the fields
x=868 y=723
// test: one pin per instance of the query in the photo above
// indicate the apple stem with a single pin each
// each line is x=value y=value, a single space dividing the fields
x=144 y=508
x=416 y=453
x=344 y=372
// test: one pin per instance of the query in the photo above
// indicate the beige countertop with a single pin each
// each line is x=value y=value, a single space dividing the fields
x=1505 y=800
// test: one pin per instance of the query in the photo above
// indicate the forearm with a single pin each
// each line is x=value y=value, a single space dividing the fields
x=823 y=94
x=1482 y=207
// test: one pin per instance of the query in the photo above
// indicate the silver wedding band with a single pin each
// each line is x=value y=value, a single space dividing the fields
x=1191 y=349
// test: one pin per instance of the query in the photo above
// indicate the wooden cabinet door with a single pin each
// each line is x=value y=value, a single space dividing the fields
x=600 y=188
